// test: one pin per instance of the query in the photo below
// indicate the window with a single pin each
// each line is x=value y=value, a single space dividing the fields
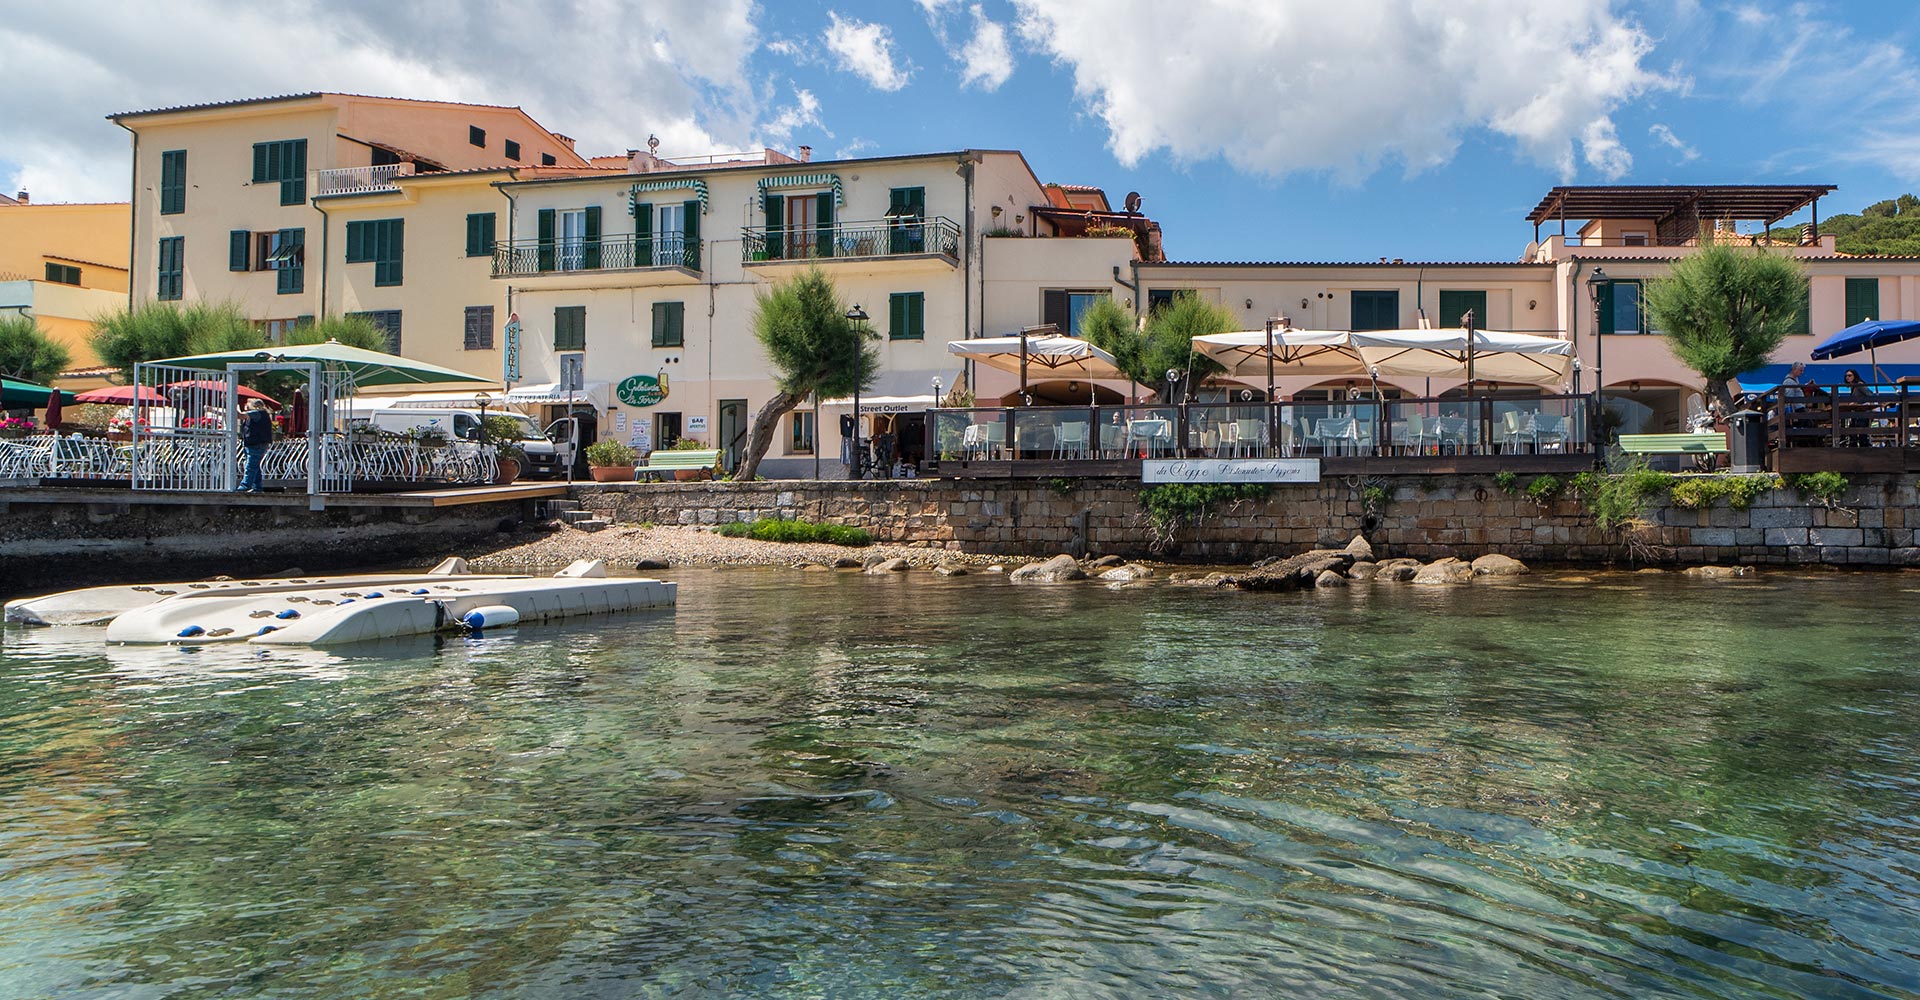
x=512 y=148
x=1375 y=310
x=802 y=432
x=276 y=330
x=379 y=242
x=1157 y=298
x=477 y=136
x=669 y=324
x=480 y=234
x=1633 y=239
x=173 y=182
x=284 y=162
x=669 y=226
x=1455 y=304
x=907 y=207
x=569 y=239
x=388 y=322
x=547 y=160
x=570 y=328
x=63 y=274
x=1863 y=300
x=285 y=253
x=240 y=250
x=1620 y=311
x=173 y=268
x=1064 y=307
x=907 y=316
x=479 y=329
x=803 y=224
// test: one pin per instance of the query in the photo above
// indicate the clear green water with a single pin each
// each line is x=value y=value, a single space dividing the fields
x=838 y=786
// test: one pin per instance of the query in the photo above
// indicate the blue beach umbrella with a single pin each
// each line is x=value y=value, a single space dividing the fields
x=1867 y=335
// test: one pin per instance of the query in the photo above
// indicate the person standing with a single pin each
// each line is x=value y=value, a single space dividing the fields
x=256 y=433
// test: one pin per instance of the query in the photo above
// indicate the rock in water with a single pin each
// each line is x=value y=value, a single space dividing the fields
x=1448 y=570
x=1398 y=570
x=1363 y=571
x=1201 y=580
x=1059 y=569
x=1328 y=578
x=887 y=566
x=1494 y=564
x=1105 y=562
x=650 y=562
x=1129 y=571
x=1719 y=572
x=1360 y=549
x=946 y=569
x=846 y=562
x=1295 y=572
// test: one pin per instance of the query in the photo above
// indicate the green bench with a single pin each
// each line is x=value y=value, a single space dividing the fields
x=1703 y=443
x=677 y=461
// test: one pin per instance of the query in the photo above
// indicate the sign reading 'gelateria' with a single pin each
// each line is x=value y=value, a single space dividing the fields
x=642 y=390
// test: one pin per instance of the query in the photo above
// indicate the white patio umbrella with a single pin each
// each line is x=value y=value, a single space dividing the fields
x=1058 y=356
x=1482 y=355
x=1246 y=353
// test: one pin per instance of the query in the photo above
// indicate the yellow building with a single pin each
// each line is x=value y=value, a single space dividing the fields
x=63 y=265
x=261 y=202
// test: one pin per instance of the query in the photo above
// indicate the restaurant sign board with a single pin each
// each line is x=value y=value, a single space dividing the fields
x=1230 y=470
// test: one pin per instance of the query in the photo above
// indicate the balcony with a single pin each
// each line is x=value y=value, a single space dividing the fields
x=935 y=239
x=359 y=180
x=668 y=258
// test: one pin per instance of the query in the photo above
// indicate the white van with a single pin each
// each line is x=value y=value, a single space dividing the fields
x=543 y=457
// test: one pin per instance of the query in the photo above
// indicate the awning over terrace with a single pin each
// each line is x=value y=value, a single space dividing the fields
x=1490 y=355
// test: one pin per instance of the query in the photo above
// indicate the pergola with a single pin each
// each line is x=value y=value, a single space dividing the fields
x=1677 y=210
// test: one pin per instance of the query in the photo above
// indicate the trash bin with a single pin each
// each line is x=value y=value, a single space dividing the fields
x=1746 y=441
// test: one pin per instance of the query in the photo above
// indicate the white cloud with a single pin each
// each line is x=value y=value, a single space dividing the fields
x=599 y=70
x=1665 y=137
x=986 y=60
x=1278 y=88
x=855 y=148
x=803 y=112
x=865 y=49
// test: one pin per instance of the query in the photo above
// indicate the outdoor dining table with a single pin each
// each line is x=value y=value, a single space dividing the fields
x=1150 y=436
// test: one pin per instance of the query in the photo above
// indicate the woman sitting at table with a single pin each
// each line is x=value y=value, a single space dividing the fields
x=1857 y=396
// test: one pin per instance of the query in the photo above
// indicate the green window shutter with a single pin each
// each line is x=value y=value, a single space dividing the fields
x=239 y=247
x=1455 y=304
x=1863 y=300
x=357 y=250
x=676 y=324
x=659 y=324
x=906 y=316
x=391 y=261
x=173 y=182
x=590 y=253
x=570 y=328
x=917 y=322
x=1603 y=301
x=690 y=211
x=488 y=223
x=1375 y=310
x=479 y=234
x=170 y=281
x=643 y=235
x=260 y=162
x=293 y=272
x=823 y=225
x=293 y=173
x=776 y=235
x=544 y=256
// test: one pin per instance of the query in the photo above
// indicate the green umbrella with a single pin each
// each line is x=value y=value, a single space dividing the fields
x=18 y=395
x=367 y=367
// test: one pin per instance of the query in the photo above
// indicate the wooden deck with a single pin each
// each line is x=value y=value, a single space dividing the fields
x=1857 y=460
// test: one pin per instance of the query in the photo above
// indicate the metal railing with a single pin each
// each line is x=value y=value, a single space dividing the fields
x=196 y=460
x=1434 y=427
x=896 y=237
x=356 y=180
x=522 y=258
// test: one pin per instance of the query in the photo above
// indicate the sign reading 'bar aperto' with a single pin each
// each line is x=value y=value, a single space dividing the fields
x=1230 y=470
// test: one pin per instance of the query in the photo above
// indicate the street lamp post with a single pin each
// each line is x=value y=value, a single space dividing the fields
x=930 y=451
x=1597 y=282
x=858 y=316
x=1180 y=430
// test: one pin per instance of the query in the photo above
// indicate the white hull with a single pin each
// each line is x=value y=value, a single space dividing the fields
x=99 y=605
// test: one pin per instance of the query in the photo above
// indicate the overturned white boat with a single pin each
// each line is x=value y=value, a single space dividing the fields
x=99 y=605
x=337 y=612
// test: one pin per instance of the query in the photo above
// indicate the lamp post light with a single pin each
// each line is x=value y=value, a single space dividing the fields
x=857 y=316
x=1597 y=282
x=1173 y=384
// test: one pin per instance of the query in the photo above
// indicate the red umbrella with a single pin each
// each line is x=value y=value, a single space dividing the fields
x=297 y=415
x=122 y=395
x=53 y=410
x=209 y=385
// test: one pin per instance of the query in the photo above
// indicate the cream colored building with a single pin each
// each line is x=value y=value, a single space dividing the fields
x=650 y=279
x=250 y=201
x=62 y=265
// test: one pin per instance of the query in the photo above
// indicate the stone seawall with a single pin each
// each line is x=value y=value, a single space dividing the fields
x=1426 y=517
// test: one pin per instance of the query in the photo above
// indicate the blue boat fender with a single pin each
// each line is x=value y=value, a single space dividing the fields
x=373 y=595
x=491 y=616
x=419 y=592
x=191 y=631
x=289 y=613
x=264 y=629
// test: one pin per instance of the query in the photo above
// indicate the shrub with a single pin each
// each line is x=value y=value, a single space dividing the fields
x=28 y=353
x=1544 y=490
x=1616 y=501
x=775 y=530
x=1700 y=492
x=1375 y=498
x=1169 y=506
x=1507 y=482
x=1824 y=488
x=504 y=433
x=608 y=452
x=688 y=444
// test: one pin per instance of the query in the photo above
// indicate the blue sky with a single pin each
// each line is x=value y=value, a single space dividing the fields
x=1254 y=129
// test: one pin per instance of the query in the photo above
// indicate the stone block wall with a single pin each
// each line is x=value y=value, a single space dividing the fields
x=1426 y=517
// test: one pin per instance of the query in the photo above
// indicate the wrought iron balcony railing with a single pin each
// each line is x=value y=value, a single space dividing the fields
x=534 y=257
x=358 y=180
x=895 y=237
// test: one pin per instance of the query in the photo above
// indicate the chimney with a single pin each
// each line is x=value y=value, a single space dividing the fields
x=564 y=140
x=806 y=154
x=21 y=197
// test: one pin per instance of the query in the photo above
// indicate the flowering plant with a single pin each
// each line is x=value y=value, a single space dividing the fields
x=126 y=424
x=200 y=424
x=18 y=425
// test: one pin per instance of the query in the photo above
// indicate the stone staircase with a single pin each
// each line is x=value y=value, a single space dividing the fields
x=570 y=513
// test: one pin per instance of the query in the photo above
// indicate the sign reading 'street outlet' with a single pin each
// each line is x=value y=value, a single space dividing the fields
x=1230 y=470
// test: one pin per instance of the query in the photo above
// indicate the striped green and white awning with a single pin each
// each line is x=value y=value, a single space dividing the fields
x=695 y=184
x=806 y=181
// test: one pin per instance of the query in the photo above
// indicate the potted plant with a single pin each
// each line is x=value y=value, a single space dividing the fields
x=16 y=427
x=504 y=434
x=690 y=475
x=612 y=461
x=121 y=428
x=430 y=436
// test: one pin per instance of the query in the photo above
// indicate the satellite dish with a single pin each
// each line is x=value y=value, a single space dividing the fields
x=1133 y=201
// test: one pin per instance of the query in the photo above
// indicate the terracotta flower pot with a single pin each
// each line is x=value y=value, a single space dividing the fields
x=692 y=475
x=612 y=473
x=508 y=471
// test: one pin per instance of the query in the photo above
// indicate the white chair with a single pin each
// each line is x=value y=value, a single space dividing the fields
x=1451 y=430
x=1249 y=436
x=1113 y=440
x=1070 y=438
x=1549 y=430
x=973 y=440
x=1512 y=430
x=996 y=439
